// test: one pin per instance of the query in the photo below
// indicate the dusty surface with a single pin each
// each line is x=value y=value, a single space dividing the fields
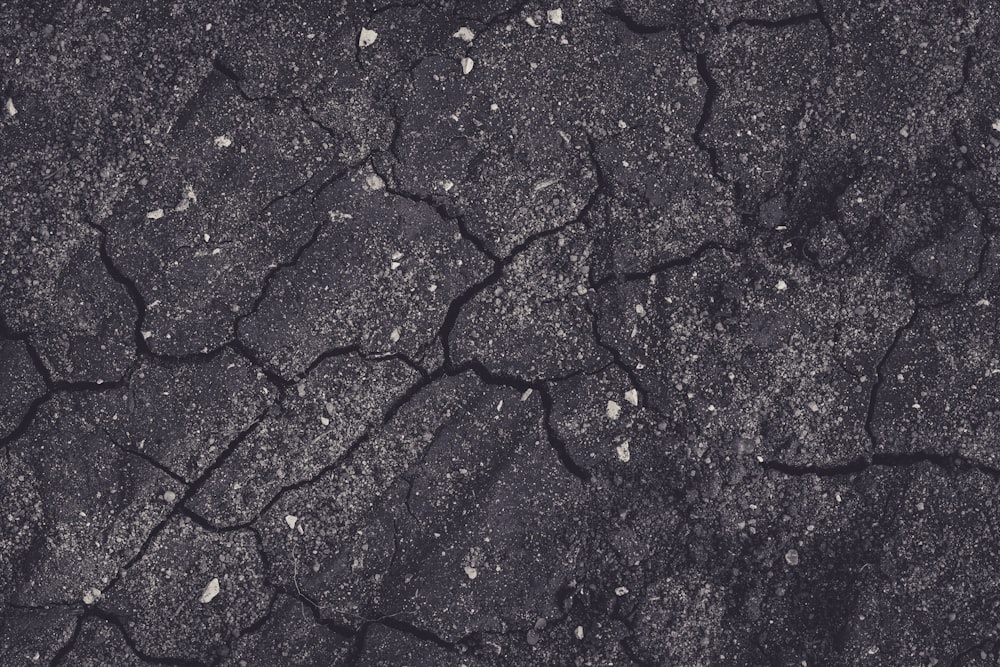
x=610 y=332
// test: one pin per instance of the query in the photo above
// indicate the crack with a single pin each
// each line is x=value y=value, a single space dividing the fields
x=641 y=29
x=711 y=95
x=948 y=462
x=880 y=376
x=666 y=265
x=109 y=617
x=147 y=458
x=68 y=647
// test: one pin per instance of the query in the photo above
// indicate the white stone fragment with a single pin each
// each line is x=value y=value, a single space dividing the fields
x=367 y=37
x=92 y=596
x=291 y=520
x=223 y=141
x=471 y=572
x=622 y=450
x=632 y=396
x=465 y=34
x=620 y=591
x=169 y=496
x=579 y=632
x=11 y=109
x=531 y=21
x=614 y=410
x=467 y=65
x=781 y=286
x=394 y=336
x=155 y=215
x=211 y=590
x=374 y=181
x=554 y=16
x=996 y=123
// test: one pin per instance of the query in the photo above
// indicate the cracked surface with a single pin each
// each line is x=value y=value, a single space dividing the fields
x=601 y=333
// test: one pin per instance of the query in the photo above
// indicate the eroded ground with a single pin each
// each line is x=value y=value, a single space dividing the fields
x=478 y=334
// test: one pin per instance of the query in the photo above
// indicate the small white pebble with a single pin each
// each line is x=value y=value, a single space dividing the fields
x=11 y=109
x=792 y=557
x=291 y=520
x=374 y=181
x=531 y=21
x=467 y=65
x=781 y=286
x=211 y=590
x=613 y=410
x=526 y=394
x=92 y=596
x=554 y=16
x=367 y=37
x=620 y=591
x=905 y=132
x=996 y=123
x=632 y=396
x=465 y=34
x=394 y=336
x=155 y=215
x=169 y=496
x=146 y=335
x=471 y=572
x=223 y=141
x=622 y=450
x=578 y=632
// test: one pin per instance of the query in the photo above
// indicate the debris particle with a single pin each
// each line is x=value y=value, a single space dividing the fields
x=394 y=336
x=531 y=21
x=781 y=286
x=291 y=520
x=555 y=16
x=579 y=632
x=624 y=455
x=465 y=34
x=155 y=215
x=792 y=557
x=211 y=590
x=467 y=64
x=632 y=396
x=613 y=410
x=11 y=109
x=367 y=37
x=223 y=141
x=374 y=181
x=471 y=572
x=526 y=394
x=92 y=596
x=169 y=496
x=620 y=591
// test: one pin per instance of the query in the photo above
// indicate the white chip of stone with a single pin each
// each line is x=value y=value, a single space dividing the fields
x=11 y=109
x=155 y=215
x=531 y=21
x=578 y=632
x=500 y=405
x=622 y=450
x=146 y=335
x=169 y=496
x=614 y=410
x=781 y=286
x=467 y=65
x=223 y=141
x=291 y=520
x=367 y=37
x=394 y=265
x=92 y=596
x=471 y=572
x=554 y=16
x=996 y=123
x=211 y=590
x=905 y=132
x=394 y=336
x=792 y=557
x=632 y=396
x=374 y=181
x=620 y=591
x=465 y=34
x=526 y=394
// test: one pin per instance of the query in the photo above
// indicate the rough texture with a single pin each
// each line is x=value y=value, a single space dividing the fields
x=596 y=333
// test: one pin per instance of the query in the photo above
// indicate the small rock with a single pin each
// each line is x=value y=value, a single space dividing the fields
x=367 y=37
x=467 y=65
x=624 y=455
x=155 y=215
x=211 y=590
x=614 y=410
x=291 y=521
x=620 y=591
x=223 y=141
x=578 y=632
x=169 y=496
x=632 y=396
x=465 y=34
x=471 y=572
x=554 y=16
x=792 y=557
x=374 y=181
x=11 y=109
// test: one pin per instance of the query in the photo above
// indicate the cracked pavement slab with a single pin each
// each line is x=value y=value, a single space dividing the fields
x=591 y=333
